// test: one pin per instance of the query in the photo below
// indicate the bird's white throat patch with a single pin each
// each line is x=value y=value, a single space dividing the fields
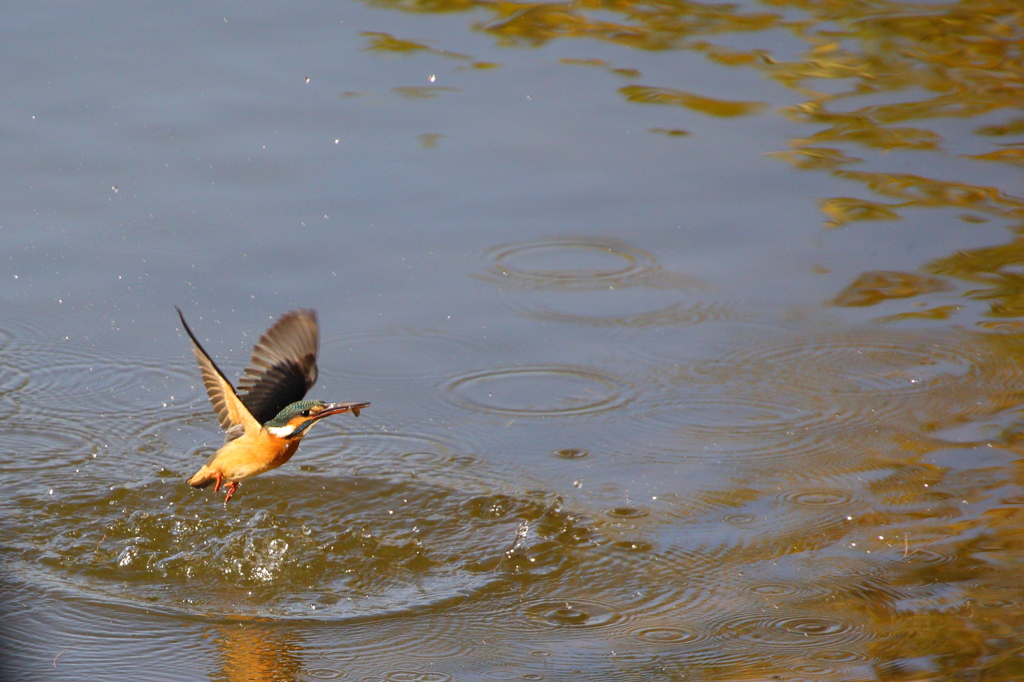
x=281 y=431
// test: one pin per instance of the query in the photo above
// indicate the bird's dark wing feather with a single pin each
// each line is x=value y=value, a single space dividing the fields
x=231 y=412
x=283 y=365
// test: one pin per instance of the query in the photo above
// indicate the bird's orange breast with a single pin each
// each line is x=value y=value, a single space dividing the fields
x=252 y=454
x=286 y=453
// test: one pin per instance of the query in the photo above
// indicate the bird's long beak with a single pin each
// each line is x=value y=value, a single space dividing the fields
x=338 y=408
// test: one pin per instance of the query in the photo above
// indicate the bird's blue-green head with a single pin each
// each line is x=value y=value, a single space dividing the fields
x=295 y=419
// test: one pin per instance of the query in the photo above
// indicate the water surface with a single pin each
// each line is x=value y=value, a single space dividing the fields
x=691 y=331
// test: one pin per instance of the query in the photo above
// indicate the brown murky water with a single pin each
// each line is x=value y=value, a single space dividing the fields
x=691 y=332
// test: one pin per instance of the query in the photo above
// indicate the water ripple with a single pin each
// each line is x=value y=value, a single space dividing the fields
x=752 y=428
x=669 y=635
x=850 y=363
x=627 y=512
x=298 y=546
x=572 y=613
x=839 y=656
x=12 y=379
x=799 y=632
x=577 y=263
x=677 y=313
x=817 y=498
x=72 y=376
x=540 y=391
x=8 y=408
x=394 y=456
x=62 y=444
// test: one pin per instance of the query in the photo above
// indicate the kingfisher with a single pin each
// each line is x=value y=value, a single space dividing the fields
x=267 y=418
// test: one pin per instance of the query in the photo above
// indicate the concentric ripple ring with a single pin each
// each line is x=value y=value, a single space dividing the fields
x=540 y=391
x=569 y=262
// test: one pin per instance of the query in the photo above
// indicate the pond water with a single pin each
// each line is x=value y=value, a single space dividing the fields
x=692 y=334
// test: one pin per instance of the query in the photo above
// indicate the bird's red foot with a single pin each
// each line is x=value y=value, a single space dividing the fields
x=230 y=488
x=220 y=479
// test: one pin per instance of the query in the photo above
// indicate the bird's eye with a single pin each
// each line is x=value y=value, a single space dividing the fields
x=305 y=413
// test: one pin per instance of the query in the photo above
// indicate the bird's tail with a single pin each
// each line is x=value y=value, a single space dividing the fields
x=202 y=478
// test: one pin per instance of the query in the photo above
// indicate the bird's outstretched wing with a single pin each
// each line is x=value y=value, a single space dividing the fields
x=283 y=365
x=233 y=415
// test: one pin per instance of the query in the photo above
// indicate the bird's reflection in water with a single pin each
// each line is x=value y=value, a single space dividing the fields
x=256 y=652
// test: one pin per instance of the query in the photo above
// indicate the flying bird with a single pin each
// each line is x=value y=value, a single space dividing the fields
x=267 y=418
